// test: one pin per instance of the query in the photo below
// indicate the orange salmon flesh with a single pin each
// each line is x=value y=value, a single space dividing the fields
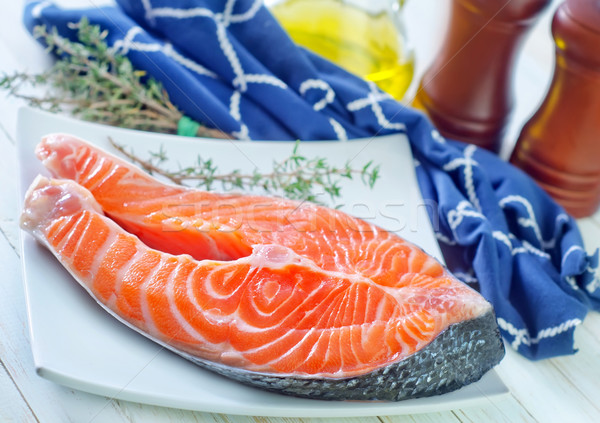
x=252 y=282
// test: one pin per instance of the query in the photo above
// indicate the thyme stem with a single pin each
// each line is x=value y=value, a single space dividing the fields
x=295 y=177
x=96 y=82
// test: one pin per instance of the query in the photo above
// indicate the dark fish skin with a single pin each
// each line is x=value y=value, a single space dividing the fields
x=460 y=355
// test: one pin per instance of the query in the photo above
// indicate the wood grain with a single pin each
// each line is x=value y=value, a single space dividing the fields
x=13 y=407
x=537 y=385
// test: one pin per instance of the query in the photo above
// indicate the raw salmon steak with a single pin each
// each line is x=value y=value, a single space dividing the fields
x=294 y=298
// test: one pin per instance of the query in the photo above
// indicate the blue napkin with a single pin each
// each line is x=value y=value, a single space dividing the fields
x=229 y=65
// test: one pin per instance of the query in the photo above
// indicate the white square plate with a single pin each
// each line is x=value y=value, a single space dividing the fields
x=77 y=344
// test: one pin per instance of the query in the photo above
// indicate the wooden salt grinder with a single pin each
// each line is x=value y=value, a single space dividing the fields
x=560 y=145
x=467 y=90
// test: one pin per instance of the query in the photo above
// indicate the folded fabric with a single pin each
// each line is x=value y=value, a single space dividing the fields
x=229 y=65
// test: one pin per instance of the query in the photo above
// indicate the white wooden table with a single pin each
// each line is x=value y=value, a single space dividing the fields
x=557 y=390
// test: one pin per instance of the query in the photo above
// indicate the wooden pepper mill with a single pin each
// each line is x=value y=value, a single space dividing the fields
x=467 y=90
x=560 y=145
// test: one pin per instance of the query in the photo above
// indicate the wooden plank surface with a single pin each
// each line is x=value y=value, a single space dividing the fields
x=13 y=407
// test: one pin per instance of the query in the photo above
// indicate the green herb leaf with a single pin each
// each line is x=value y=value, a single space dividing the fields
x=94 y=82
x=296 y=177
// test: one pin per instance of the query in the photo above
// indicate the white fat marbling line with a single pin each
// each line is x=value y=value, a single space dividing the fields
x=72 y=234
x=101 y=254
x=170 y=291
x=148 y=320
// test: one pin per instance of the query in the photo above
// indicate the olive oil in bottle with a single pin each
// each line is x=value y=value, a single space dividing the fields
x=364 y=37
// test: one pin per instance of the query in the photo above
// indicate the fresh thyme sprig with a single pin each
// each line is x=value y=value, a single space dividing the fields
x=96 y=83
x=296 y=177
